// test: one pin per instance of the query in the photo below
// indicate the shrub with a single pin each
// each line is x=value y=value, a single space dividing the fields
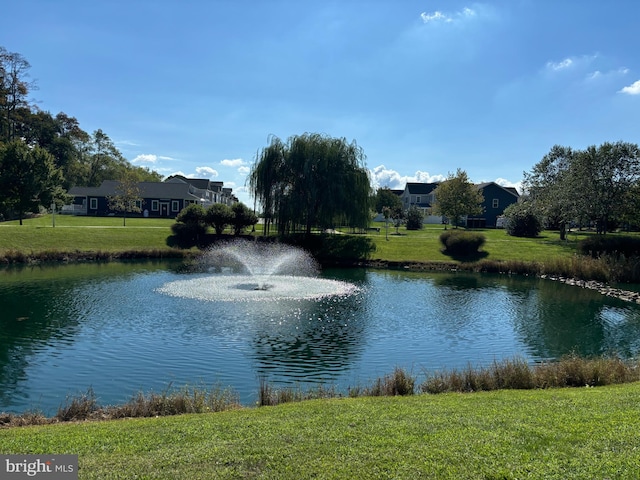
x=461 y=243
x=415 y=218
x=243 y=217
x=219 y=216
x=520 y=221
x=569 y=371
x=192 y=214
x=397 y=383
x=598 y=245
x=187 y=235
x=190 y=226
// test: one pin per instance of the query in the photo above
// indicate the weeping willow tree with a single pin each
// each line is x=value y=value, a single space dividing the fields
x=311 y=181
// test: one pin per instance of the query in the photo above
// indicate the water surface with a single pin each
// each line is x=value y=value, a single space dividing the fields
x=111 y=327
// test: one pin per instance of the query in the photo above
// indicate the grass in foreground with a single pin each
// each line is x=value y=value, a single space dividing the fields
x=545 y=434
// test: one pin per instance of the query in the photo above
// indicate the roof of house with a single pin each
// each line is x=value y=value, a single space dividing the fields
x=415 y=188
x=511 y=190
x=147 y=190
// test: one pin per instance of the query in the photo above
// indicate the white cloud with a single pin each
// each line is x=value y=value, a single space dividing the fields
x=381 y=176
x=244 y=170
x=236 y=162
x=431 y=17
x=145 y=158
x=439 y=16
x=571 y=63
x=149 y=158
x=633 y=89
x=506 y=183
x=206 y=172
x=562 y=65
x=601 y=76
x=126 y=143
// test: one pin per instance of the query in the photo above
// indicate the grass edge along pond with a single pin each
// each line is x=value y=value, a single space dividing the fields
x=551 y=434
x=104 y=238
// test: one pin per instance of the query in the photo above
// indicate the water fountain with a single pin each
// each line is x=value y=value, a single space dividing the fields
x=256 y=271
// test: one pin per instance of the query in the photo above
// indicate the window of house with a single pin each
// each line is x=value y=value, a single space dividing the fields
x=175 y=205
x=93 y=203
x=495 y=203
x=154 y=205
x=139 y=204
x=418 y=199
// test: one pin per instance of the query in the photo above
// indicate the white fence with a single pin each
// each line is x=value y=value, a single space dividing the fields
x=73 y=210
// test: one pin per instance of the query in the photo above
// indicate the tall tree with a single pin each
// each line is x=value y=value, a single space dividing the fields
x=312 y=180
x=457 y=197
x=550 y=188
x=28 y=178
x=602 y=177
x=103 y=161
x=386 y=198
x=61 y=136
x=14 y=90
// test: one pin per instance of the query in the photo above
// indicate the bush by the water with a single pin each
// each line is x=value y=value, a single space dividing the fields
x=517 y=373
x=461 y=243
x=598 y=245
x=190 y=226
x=331 y=249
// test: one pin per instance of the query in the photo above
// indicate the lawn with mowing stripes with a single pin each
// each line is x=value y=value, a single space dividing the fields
x=543 y=434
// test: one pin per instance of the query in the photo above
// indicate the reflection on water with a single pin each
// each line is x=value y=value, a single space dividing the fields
x=111 y=328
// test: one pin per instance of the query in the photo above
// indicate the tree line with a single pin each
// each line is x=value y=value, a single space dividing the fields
x=43 y=155
x=596 y=187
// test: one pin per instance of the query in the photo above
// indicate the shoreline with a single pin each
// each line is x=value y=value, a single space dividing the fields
x=18 y=259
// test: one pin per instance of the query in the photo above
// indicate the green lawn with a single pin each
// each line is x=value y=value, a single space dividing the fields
x=424 y=245
x=107 y=234
x=72 y=233
x=545 y=434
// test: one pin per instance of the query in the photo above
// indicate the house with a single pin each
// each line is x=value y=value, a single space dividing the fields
x=159 y=199
x=421 y=195
x=496 y=199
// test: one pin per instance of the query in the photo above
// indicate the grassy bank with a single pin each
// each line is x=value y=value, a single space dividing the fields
x=555 y=433
x=105 y=238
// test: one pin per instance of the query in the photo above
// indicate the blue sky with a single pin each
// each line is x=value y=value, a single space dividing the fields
x=424 y=87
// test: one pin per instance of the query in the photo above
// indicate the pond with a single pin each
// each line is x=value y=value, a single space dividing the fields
x=113 y=327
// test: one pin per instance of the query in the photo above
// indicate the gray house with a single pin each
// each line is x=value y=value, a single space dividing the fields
x=421 y=195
